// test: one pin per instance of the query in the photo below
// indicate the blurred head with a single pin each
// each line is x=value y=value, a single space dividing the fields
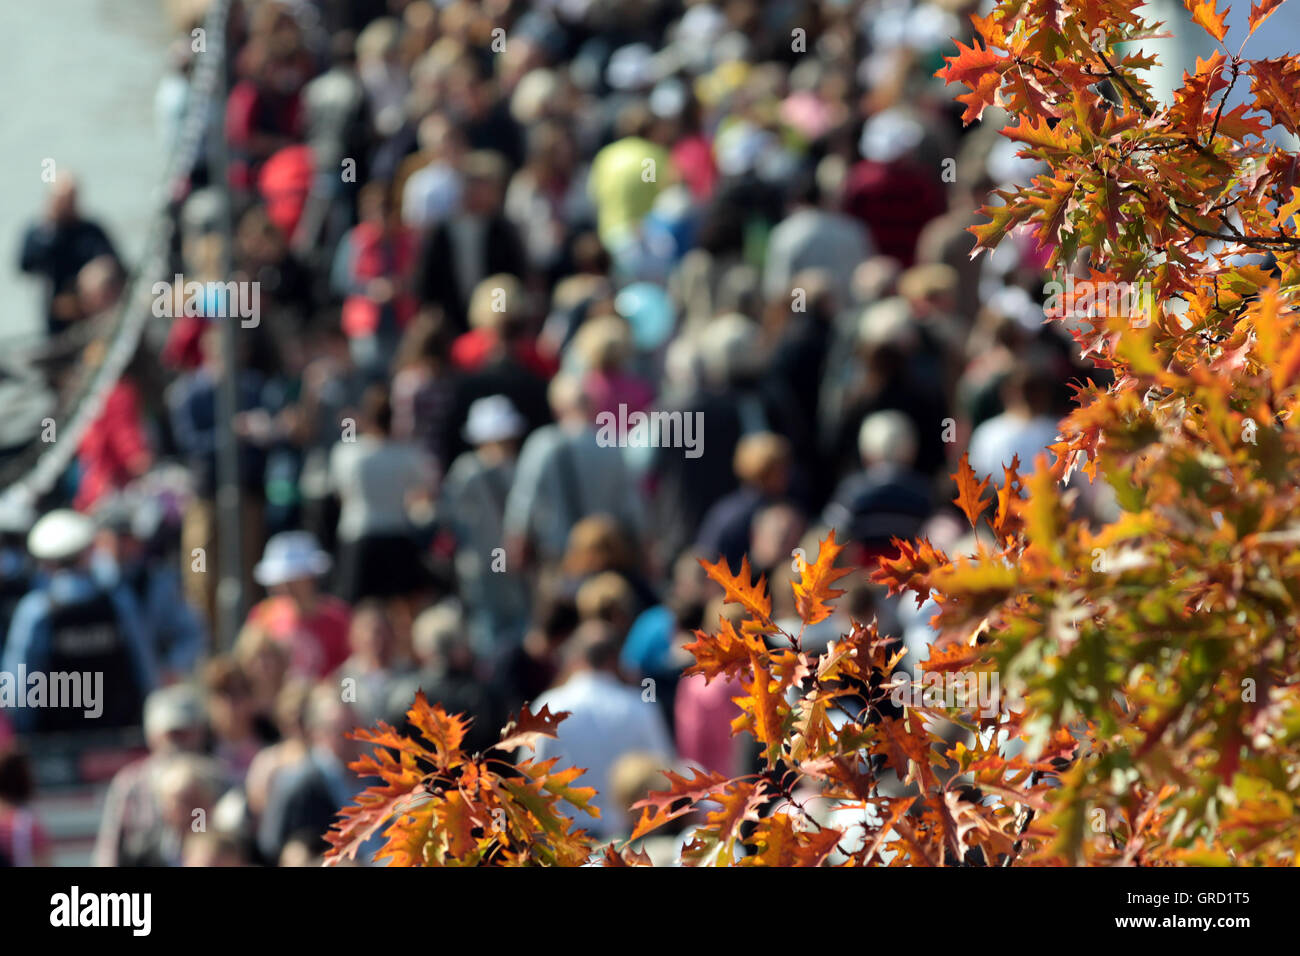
x=633 y=776
x=328 y=720
x=774 y=535
x=603 y=343
x=728 y=347
x=291 y=709
x=209 y=849
x=485 y=178
x=762 y=461
x=555 y=618
x=1030 y=389
x=887 y=437
x=376 y=416
x=370 y=635
x=596 y=543
x=174 y=719
x=264 y=659
x=301 y=849
x=595 y=646
x=567 y=399
x=99 y=285
x=376 y=204
x=229 y=698
x=607 y=597
x=63 y=199
x=188 y=782
x=497 y=305
x=439 y=640
x=690 y=581
x=931 y=288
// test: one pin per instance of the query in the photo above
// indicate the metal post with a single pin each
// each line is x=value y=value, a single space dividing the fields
x=230 y=588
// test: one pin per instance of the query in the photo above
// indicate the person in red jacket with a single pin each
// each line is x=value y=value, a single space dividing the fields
x=115 y=450
x=374 y=268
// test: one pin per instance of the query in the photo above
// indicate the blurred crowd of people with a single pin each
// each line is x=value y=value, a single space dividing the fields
x=476 y=228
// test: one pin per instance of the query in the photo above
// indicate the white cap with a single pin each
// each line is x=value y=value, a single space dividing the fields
x=889 y=135
x=178 y=707
x=60 y=535
x=492 y=419
x=631 y=67
x=290 y=556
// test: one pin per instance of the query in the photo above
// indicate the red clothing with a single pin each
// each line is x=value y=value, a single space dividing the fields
x=284 y=183
x=184 y=349
x=114 y=450
x=251 y=111
x=471 y=349
x=895 y=200
x=606 y=392
x=317 y=644
x=376 y=255
x=693 y=158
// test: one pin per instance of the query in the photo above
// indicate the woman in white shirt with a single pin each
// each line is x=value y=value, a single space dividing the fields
x=379 y=481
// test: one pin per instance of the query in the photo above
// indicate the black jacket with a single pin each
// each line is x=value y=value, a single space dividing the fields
x=436 y=282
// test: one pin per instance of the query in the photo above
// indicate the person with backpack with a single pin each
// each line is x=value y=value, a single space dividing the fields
x=71 y=623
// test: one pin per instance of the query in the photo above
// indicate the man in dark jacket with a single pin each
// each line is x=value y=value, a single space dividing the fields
x=56 y=249
x=473 y=244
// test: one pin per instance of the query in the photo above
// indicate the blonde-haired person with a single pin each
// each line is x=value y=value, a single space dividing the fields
x=603 y=350
x=608 y=597
x=762 y=464
x=501 y=326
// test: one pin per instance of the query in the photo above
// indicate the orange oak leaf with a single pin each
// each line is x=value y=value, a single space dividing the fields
x=740 y=588
x=970 y=493
x=625 y=857
x=780 y=842
x=1275 y=84
x=911 y=570
x=813 y=589
x=715 y=842
x=528 y=727
x=726 y=652
x=683 y=793
x=1259 y=12
x=1204 y=13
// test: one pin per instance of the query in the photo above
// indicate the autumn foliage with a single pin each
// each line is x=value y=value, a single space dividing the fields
x=1152 y=658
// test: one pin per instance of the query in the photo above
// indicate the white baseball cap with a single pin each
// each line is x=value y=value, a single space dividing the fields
x=59 y=535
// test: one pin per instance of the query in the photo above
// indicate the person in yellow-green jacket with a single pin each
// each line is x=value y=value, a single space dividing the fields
x=627 y=175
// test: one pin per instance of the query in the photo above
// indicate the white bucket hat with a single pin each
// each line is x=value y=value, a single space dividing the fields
x=493 y=419
x=60 y=535
x=291 y=556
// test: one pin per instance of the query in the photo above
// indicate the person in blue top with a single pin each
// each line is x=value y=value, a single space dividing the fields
x=70 y=623
x=136 y=549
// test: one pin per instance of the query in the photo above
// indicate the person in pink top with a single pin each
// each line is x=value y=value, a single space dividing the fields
x=311 y=624
x=703 y=712
x=604 y=347
x=702 y=716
